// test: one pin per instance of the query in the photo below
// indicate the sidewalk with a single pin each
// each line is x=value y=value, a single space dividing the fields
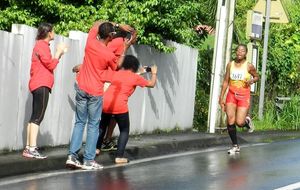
x=138 y=147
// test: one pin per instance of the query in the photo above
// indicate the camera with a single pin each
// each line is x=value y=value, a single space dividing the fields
x=128 y=35
x=147 y=69
x=123 y=34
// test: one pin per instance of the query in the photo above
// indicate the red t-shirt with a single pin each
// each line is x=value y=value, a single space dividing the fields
x=97 y=59
x=123 y=83
x=42 y=66
x=117 y=46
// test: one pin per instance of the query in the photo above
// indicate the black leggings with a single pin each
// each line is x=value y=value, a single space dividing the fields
x=39 y=104
x=123 y=123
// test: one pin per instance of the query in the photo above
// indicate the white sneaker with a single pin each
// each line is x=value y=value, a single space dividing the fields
x=234 y=149
x=91 y=165
x=73 y=163
x=250 y=124
x=33 y=154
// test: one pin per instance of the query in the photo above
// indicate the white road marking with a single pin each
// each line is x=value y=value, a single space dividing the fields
x=290 y=187
x=29 y=177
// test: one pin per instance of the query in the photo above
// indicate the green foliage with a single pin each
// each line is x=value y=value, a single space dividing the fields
x=283 y=71
x=156 y=21
x=203 y=84
x=241 y=19
x=286 y=119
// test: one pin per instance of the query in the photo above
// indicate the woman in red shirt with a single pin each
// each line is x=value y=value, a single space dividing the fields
x=115 y=104
x=117 y=47
x=40 y=84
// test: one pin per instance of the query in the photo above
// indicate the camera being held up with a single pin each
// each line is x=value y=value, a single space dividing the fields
x=125 y=34
x=128 y=35
x=148 y=69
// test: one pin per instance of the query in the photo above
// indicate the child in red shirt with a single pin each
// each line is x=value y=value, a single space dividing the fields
x=116 y=46
x=123 y=84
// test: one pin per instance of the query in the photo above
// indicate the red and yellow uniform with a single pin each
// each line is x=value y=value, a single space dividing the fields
x=239 y=90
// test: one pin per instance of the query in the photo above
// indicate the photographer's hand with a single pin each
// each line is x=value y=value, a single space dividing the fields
x=126 y=28
x=141 y=71
x=61 y=48
x=76 y=68
x=154 y=69
x=152 y=82
x=133 y=37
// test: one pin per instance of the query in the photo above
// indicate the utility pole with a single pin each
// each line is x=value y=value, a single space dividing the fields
x=264 y=61
x=230 y=31
x=217 y=65
x=228 y=53
x=214 y=61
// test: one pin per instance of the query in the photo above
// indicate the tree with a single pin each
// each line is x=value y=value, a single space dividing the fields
x=156 y=20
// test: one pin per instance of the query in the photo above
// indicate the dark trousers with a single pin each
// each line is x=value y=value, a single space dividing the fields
x=123 y=123
x=39 y=104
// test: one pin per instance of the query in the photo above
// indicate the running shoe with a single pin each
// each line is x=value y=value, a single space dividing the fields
x=109 y=146
x=234 y=149
x=33 y=154
x=91 y=165
x=26 y=153
x=73 y=163
x=250 y=124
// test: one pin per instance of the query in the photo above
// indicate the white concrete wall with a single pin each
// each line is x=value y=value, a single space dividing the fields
x=10 y=84
x=170 y=104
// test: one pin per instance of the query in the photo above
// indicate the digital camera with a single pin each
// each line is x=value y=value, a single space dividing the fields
x=148 y=69
x=128 y=35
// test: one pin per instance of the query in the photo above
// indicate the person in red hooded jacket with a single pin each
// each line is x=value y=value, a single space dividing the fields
x=40 y=84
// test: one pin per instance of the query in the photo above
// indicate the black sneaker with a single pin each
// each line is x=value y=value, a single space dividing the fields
x=73 y=163
x=109 y=146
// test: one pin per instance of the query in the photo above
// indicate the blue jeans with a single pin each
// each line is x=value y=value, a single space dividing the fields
x=88 y=110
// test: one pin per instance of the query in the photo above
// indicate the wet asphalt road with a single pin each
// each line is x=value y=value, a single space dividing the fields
x=257 y=167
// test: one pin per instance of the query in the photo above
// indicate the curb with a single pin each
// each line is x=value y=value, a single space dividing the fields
x=14 y=164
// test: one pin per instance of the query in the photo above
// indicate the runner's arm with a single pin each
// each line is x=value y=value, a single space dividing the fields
x=225 y=84
x=253 y=72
